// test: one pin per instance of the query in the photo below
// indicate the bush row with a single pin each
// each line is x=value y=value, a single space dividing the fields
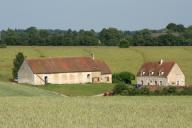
x=131 y=90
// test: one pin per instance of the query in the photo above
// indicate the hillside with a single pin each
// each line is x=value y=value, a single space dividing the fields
x=11 y=89
x=117 y=59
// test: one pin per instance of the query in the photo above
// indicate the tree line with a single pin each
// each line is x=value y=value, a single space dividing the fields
x=172 y=35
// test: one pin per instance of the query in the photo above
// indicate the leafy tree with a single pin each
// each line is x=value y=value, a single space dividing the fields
x=172 y=26
x=176 y=35
x=188 y=34
x=11 y=37
x=124 y=44
x=180 y=28
x=168 y=40
x=17 y=62
x=110 y=36
x=125 y=77
x=87 y=38
x=176 y=28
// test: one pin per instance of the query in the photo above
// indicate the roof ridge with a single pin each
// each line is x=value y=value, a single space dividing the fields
x=158 y=61
x=66 y=64
x=59 y=57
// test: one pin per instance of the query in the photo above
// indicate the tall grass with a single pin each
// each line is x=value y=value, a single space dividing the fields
x=96 y=112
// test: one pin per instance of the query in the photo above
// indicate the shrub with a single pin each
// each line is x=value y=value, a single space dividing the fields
x=125 y=92
x=125 y=77
x=132 y=91
x=3 y=46
x=164 y=91
x=171 y=90
x=168 y=90
x=124 y=44
x=144 y=91
x=186 y=91
x=119 y=88
x=157 y=92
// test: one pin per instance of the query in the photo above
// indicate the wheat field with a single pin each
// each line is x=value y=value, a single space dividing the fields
x=96 y=112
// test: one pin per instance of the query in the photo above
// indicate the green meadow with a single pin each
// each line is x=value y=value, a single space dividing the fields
x=14 y=90
x=79 y=89
x=128 y=59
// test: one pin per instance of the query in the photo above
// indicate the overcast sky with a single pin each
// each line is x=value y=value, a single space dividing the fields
x=94 y=14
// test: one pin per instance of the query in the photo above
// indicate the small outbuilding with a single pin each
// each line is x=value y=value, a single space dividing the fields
x=64 y=70
x=162 y=73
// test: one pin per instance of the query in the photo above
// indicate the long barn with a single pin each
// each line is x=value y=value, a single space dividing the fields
x=68 y=70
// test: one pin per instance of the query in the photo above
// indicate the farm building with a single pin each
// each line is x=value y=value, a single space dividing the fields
x=160 y=73
x=69 y=70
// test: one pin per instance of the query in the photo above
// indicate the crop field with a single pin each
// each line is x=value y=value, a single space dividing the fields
x=96 y=112
x=118 y=59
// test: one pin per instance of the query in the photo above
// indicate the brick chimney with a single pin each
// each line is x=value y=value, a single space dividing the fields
x=161 y=62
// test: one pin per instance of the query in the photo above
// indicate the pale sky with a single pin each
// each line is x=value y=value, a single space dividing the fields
x=94 y=14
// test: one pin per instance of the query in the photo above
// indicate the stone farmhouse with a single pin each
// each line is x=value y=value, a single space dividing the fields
x=69 y=70
x=160 y=73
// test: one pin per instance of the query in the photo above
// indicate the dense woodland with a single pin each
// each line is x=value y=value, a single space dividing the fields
x=172 y=35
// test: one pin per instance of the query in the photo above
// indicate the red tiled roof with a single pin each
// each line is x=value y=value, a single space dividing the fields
x=156 y=68
x=103 y=67
x=65 y=65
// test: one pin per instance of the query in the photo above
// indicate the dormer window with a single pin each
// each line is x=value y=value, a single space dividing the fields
x=161 y=73
x=151 y=73
x=142 y=73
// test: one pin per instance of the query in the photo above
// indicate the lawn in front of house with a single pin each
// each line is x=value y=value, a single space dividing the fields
x=79 y=89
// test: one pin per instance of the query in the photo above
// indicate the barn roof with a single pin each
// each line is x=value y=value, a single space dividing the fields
x=103 y=67
x=67 y=65
x=156 y=68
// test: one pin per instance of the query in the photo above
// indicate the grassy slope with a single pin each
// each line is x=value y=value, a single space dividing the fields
x=79 y=90
x=118 y=59
x=94 y=112
x=8 y=89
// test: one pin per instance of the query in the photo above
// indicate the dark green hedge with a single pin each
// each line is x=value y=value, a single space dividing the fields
x=131 y=90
